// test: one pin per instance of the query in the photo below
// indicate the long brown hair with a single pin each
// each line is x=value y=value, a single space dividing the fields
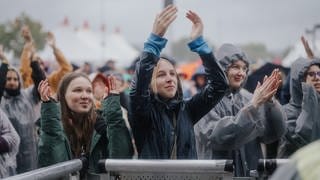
x=79 y=132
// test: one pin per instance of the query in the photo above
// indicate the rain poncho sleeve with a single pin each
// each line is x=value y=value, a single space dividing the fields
x=224 y=132
x=275 y=118
x=25 y=69
x=64 y=68
x=305 y=127
x=12 y=139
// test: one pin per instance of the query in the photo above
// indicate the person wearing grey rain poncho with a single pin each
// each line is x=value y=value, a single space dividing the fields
x=9 y=146
x=237 y=125
x=19 y=105
x=303 y=108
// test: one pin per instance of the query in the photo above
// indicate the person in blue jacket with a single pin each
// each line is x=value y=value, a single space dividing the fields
x=162 y=122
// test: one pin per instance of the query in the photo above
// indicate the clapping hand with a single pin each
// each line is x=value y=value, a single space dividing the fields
x=164 y=19
x=2 y=56
x=113 y=87
x=197 y=27
x=265 y=91
x=51 y=40
x=44 y=91
x=26 y=34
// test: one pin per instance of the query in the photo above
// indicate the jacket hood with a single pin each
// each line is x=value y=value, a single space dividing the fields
x=228 y=53
x=297 y=74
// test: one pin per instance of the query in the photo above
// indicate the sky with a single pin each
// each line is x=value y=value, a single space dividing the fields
x=275 y=23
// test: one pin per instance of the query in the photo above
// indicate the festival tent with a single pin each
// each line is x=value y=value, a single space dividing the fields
x=117 y=48
x=298 y=51
x=73 y=48
x=83 y=44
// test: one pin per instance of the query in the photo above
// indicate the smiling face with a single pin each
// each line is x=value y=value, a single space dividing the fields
x=79 y=97
x=165 y=80
x=237 y=73
x=313 y=77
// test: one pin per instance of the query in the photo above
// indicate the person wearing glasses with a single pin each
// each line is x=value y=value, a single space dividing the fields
x=303 y=124
x=241 y=121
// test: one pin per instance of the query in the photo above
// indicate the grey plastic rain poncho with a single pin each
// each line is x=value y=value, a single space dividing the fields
x=234 y=129
x=21 y=111
x=8 y=162
x=303 y=110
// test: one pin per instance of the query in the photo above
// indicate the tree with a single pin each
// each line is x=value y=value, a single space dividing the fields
x=10 y=34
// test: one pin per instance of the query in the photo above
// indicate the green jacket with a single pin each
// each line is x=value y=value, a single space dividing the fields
x=54 y=145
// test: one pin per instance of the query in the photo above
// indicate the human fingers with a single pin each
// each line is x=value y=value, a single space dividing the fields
x=194 y=17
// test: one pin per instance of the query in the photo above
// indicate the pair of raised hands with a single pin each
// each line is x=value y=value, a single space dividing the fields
x=169 y=14
x=46 y=95
x=267 y=89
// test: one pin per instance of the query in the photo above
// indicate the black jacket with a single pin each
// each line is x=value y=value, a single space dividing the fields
x=151 y=118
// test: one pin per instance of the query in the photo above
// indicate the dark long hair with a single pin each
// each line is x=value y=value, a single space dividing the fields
x=79 y=132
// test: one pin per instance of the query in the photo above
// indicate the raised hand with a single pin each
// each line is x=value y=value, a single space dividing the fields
x=51 y=40
x=164 y=19
x=26 y=34
x=197 y=27
x=113 y=87
x=44 y=91
x=264 y=92
x=307 y=47
x=2 y=56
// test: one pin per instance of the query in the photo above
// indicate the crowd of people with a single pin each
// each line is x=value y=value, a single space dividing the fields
x=48 y=117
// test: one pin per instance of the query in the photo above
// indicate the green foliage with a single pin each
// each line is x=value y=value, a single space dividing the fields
x=10 y=34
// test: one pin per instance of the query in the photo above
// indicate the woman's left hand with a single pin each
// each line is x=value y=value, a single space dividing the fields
x=197 y=27
x=113 y=87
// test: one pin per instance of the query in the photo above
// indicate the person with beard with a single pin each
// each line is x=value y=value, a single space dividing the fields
x=303 y=124
x=162 y=122
x=19 y=104
x=241 y=121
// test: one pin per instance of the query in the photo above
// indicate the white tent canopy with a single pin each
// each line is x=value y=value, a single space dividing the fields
x=298 y=51
x=83 y=45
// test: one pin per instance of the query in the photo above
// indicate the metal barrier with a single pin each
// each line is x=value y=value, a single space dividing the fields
x=51 y=172
x=167 y=169
x=267 y=167
x=152 y=169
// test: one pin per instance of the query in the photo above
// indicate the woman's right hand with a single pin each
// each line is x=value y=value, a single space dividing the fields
x=2 y=56
x=264 y=92
x=164 y=19
x=44 y=91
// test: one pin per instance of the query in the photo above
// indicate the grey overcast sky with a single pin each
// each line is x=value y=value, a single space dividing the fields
x=276 y=23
